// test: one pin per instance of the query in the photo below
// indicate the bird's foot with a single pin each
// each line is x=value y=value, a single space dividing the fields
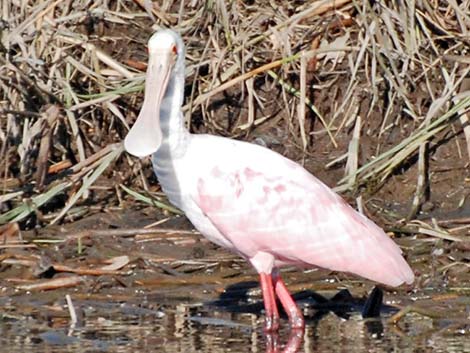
x=272 y=342
x=271 y=324
x=295 y=340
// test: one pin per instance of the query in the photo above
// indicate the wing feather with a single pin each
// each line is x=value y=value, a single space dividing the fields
x=289 y=213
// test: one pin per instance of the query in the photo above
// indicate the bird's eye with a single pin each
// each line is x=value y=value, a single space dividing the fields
x=174 y=50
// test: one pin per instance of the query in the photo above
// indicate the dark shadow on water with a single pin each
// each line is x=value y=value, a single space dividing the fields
x=235 y=299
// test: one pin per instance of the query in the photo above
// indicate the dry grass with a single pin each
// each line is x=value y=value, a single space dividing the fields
x=71 y=79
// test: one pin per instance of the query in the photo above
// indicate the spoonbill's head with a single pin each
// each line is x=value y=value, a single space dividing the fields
x=166 y=61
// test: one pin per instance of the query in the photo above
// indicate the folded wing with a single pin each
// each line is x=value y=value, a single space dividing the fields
x=292 y=215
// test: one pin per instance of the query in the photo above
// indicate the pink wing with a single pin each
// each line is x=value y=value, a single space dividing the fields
x=295 y=217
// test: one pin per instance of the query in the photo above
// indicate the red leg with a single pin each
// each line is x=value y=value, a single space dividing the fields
x=296 y=318
x=295 y=340
x=272 y=315
x=272 y=342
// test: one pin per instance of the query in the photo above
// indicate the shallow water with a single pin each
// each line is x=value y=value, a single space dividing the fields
x=122 y=327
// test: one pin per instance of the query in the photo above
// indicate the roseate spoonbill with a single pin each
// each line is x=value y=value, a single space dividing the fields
x=252 y=200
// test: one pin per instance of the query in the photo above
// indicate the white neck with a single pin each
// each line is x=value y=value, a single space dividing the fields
x=174 y=133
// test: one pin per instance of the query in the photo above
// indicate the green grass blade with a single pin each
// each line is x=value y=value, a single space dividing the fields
x=21 y=212
x=381 y=166
x=150 y=201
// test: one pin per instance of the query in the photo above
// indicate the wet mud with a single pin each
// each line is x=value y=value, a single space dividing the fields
x=173 y=291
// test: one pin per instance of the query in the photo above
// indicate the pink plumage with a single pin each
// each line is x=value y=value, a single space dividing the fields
x=250 y=199
x=267 y=203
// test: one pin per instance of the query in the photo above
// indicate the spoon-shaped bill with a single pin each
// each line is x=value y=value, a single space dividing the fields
x=145 y=137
